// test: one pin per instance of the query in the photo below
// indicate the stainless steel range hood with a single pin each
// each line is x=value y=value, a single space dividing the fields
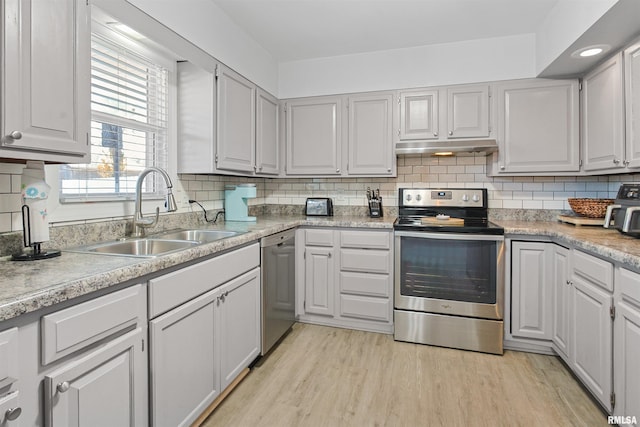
x=447 y=148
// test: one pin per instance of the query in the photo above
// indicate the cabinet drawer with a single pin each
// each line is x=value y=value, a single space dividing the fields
x=173 y=289
x=377 y=285
x=363 y=307
x=318 y=238
x=366 y=261
x=365 y=239
x=8 y=359
x=597 y=271
x=74 y=328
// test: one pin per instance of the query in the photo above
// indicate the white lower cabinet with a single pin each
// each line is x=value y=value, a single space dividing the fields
x=199 y=347
x=183 y=381
x=106 y=387
x=592 y=338
x=531 y=289
x=560 y=268
x=627 y=344
x=345 y=278
x=95 y=363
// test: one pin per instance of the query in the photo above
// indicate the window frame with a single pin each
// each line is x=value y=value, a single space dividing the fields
x=101 y=208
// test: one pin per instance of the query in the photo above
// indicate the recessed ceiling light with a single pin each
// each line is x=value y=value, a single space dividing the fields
x=588 y=51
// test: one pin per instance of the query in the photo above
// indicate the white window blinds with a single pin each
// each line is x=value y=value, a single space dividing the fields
x=129 y=115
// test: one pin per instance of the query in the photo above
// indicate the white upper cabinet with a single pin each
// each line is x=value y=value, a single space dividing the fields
x=632 y=99
x=419 y=115
x=267 y=136
x=370 y=145
x=235 y=142
x=445 y=113
x=314 y=136
x=45 y=109
x=468 y=111
x=226 y=124
x=603 y=116
x=538 y=129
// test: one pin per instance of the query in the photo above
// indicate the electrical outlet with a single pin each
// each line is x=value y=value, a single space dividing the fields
x=340 y=195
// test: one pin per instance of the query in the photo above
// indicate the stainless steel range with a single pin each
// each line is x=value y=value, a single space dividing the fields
x=449 y=270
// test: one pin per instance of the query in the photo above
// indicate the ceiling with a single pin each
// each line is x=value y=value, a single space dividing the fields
x=302 y=29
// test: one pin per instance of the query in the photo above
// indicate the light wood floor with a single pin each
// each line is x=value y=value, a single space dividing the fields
x=322 y=376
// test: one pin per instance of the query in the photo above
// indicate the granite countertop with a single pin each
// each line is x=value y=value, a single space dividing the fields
x=28 y=286
x=608 y=243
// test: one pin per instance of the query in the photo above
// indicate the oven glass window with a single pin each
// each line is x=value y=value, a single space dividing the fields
x=457 y=270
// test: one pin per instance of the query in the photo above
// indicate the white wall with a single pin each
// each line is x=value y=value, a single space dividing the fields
x=566 y=22
x=207 y=26
x=451 y=63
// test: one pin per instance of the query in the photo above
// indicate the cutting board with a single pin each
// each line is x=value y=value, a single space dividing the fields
x=431 y=220
x=581 y=220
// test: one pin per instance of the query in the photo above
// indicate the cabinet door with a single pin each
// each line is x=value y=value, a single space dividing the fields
x=538 y=126
x=184 y=376
x=235 y=140
x=591 y=344
x=314 y=136
x=371 y=135
x=468 y=112
x=319 y=281
x=603 y=116
x=419 y=115
x=10 y=408
x=108 y=387
x=531 y=290
x=267 y=135
x=239 y=325
x=45 y=108
x=561 y=293
x=632 y=99
x=627 y=344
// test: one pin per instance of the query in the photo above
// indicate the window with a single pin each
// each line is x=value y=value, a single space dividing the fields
x=129 y=116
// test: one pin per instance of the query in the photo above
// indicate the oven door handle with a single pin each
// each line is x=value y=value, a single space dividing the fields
x=450 y=236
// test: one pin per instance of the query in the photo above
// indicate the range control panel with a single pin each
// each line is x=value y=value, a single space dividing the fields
x=451 y=197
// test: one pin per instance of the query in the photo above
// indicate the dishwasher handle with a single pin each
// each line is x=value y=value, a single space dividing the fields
x=278 y=238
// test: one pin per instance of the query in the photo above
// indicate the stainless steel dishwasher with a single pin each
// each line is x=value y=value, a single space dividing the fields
x=278 y=287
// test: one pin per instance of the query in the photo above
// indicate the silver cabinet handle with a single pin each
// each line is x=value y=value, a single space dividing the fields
x=337 y=170
x=13 y=413
x=568 y=282
x=63 y=386
x=450 y=132
x=329 y=255
x=16 y=134
x=501 y=167
x=626 y=162
x=616 y=161
x=435 y=134
x=388 y=169
x=222 y=297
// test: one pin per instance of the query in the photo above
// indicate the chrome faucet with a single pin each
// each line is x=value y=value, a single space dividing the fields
x=139 y=221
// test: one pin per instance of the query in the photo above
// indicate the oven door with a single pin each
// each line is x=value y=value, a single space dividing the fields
x=450 y=273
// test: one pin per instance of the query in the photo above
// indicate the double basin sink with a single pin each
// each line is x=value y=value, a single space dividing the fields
x=156 y=245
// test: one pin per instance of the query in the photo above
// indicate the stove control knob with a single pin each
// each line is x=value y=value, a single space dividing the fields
x=418 y=197
x=475 y=198
x=465 y=198
x=408 y=197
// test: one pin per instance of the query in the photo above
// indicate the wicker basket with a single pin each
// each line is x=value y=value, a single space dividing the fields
x=591 y=208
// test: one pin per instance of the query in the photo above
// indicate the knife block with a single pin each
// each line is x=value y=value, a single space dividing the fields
x=375 y=208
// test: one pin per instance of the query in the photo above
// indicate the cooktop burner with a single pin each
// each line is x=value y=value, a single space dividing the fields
x=459 y=210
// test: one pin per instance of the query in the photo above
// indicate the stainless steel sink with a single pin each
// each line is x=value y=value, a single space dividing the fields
x=201 y=236
x=144 y=248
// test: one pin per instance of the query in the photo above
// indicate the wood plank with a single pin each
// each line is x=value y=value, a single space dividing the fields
x=331 y=377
